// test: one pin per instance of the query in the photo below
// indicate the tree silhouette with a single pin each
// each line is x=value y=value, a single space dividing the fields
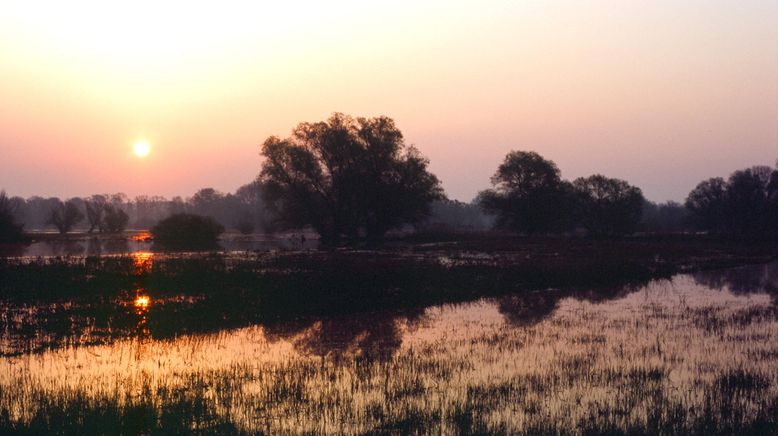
x=186 y=229
x=529 y=195
x=608 y=206
x=745 y=204
x=95 y=209
x=707 y=204
x=345 y=176
x=10 y=231
x=114 y=219
x=65 y=215
x=747 y=200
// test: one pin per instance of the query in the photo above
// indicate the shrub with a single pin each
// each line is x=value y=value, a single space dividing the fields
x=187 y=229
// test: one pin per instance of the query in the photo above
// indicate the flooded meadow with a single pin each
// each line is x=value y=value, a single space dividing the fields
x=204 y=343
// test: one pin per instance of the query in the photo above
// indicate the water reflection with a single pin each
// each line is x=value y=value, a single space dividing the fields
x=743 y=280
x=529 y=308
x=142 y=236
x=96 y=245
x=204 y=294
x=65 y=247
x=561 y=361
x=143 y=261
x=142 y=303
x=374 y=336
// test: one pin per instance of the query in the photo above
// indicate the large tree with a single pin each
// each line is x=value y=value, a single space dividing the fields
x=608 y=206
x=528 y=195
x=95 y=209
x=707 y=204
x=345 y=176
x=747 y=194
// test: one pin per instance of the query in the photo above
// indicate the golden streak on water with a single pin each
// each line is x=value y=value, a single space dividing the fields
x=142 y=261
x=142 y=301
x=141 y=237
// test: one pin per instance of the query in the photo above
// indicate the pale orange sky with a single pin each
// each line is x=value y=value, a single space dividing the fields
x=660 y=93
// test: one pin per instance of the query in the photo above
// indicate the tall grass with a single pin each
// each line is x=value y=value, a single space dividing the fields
x=673 y=357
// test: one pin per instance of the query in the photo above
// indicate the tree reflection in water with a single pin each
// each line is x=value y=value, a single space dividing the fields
x=552 y=361
x=373 y=336
x=328 y=312
x=743 y=280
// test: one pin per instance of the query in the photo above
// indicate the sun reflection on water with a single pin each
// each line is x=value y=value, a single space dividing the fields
x=143 y=261
x=142 y=301
x=142 y=236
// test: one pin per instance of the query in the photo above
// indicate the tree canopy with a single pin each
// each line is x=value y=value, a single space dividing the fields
x=528 y=194
x=745 y=204
x=608 y=206
x=346 y=177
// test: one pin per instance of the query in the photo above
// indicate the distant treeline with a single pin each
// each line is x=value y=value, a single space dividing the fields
x=349 y=178
x=242 y=210
x=529 y=196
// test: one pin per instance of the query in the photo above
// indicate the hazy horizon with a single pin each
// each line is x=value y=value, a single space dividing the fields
x=662 y=95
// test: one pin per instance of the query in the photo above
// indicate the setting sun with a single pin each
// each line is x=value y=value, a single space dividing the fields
x=141 y=149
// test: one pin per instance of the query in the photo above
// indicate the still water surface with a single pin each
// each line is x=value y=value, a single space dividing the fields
x=140 y=241
x=695 y=349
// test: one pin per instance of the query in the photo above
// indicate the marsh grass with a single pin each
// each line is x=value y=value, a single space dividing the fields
x=406 y=341
x=673 y=357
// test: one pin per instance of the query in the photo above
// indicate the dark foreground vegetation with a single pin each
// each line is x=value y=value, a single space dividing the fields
x=358 y=377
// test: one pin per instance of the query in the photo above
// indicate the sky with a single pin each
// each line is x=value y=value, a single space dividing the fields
x=662 y=94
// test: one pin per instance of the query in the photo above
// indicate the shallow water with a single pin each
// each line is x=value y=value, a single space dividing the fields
x=688 y=354
x=97 y=245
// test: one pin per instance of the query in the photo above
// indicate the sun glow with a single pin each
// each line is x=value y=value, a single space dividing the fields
x=142 y=301
x=141 y=149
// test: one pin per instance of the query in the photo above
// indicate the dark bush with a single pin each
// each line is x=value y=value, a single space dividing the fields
x=10 y=231
x=187 y=229
x=245 y=226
